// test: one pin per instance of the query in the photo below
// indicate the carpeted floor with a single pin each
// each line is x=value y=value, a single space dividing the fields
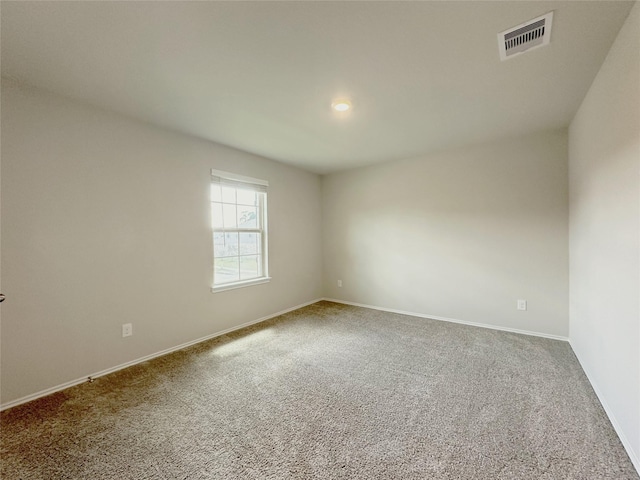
x=329 y=392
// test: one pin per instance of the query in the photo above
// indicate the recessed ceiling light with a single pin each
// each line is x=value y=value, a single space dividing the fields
x=341 y=105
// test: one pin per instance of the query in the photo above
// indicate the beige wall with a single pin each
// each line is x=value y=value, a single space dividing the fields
x=461 y=234
x=604 y=159
x=106 y=221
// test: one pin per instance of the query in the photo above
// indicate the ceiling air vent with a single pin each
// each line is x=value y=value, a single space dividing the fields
x=526 y=36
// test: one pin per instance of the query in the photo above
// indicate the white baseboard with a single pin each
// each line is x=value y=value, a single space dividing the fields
x=63 y=386
x=612 y=418
x=625 y=442
x=451 y=320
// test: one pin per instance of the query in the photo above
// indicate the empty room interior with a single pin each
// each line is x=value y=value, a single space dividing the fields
x=320 y=240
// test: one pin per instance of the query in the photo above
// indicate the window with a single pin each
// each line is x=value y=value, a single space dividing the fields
x=239 y=221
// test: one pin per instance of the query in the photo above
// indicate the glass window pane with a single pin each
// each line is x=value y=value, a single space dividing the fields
x=249 y=243
x=216 y=193
x=228 y=194
x=218 y=242
x=216 y=215
x=247 y=217
x=238 y=253
x=247 y=197
x=229 y=216
x=225 y=244
x=249 y=267
x=226 y=270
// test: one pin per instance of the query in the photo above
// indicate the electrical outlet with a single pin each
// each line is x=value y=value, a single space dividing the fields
x=127 y=329
x=522 y=305
x=340 y=283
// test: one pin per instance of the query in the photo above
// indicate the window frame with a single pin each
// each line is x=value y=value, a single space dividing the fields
x=260 y=187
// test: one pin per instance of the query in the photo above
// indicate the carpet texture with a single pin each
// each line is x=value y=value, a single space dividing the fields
x=329 y=392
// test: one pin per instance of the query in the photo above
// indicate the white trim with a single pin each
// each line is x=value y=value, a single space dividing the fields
x=452 y=320
x=78 y=381
x=238 y=178
x=625 y=442
x=231 y=286
x=612 y=418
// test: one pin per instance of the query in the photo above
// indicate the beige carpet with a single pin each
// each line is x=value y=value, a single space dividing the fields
x=328 y=392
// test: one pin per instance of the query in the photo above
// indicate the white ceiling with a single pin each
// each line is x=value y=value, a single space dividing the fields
x=260 y=76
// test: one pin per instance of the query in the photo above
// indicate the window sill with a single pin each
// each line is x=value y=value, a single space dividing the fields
x=233 y=286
